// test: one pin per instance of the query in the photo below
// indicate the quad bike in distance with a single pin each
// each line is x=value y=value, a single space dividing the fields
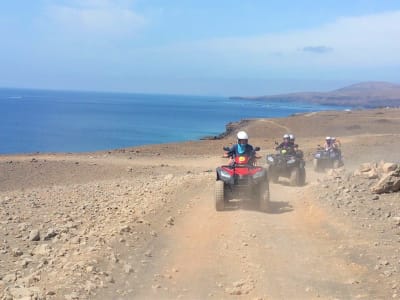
x=288 y=165
x=242 y=179
x=327 y=159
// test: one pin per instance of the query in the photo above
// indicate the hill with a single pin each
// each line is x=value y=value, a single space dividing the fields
x=364 y=94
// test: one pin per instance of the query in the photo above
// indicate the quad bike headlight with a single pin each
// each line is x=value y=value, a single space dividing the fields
x=291 y=161
x=270 y=158
x=225 y=174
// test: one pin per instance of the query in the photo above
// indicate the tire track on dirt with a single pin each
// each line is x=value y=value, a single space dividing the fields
x=273 y=122
x=293 y=252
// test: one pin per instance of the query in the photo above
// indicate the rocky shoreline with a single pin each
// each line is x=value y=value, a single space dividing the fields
x=230 y=128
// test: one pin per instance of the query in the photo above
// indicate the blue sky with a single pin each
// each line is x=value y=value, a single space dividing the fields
x=225 y=47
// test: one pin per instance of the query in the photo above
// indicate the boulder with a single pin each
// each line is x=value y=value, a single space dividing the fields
x=368 y=170
x=43 y=249
x=366 y=167
x=389 y=183
x=371 y=174
x=51 y=232
x=389 y=167
x=34 y=235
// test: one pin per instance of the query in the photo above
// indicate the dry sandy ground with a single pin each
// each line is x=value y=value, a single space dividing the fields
x=140 y=223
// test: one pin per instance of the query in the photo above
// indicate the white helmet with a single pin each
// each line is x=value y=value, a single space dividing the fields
x=242 y=135
x=291 y=137
x=333 y=138
x=328 y=138
x=285 y=136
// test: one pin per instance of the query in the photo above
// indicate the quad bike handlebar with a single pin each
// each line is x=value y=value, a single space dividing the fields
x=254 y=157
x=228 y=154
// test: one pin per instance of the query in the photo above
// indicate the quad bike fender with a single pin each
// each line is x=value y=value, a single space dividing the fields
x=256 y=175
x=224 y=176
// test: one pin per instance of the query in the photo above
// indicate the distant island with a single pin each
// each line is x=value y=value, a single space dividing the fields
x=365 y=95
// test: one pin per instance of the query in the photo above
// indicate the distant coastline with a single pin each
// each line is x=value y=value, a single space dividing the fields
x=61 y=121
x=361 y=95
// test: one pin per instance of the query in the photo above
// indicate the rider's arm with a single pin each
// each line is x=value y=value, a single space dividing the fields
x=250 y=150
x=232 y=151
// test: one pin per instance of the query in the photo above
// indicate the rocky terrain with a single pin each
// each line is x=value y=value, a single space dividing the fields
x=373 y=208
x=140 y=223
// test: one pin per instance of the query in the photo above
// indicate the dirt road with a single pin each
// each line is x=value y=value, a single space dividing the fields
x=141 y=223
x=296 y=251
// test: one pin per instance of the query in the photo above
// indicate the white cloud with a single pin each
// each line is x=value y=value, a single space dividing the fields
x=353 y=42
x=97 y=17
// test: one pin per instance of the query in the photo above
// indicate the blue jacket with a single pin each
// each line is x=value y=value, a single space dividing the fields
x=234 y=151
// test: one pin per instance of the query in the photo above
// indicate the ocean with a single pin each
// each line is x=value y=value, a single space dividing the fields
x=68 y=121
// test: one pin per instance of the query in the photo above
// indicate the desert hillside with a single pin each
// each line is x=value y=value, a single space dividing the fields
x=140 y=223
x=364 y=95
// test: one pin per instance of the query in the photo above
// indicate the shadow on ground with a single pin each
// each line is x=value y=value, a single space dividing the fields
x=276 y=207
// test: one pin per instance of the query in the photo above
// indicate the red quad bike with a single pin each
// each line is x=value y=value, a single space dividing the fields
x=242 y=179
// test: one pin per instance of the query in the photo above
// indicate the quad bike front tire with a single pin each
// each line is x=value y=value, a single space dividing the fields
x=302 y=180
x=264 y=198
x=219 y=195
x=295 y=177
x=336 y=164
x=316 y=165
x=272 y=175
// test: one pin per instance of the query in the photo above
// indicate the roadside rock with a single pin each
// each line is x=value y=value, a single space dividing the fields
x=43 y=249
x=354 y=196
x=388 y=167
x=366 y=167
x=389 y=183
x=51 y=232
x=170 y=221
x=241 y=287
x=34 y=235
x=31 y=293
x=17 y=252
x=372 y=174
x=368 y=170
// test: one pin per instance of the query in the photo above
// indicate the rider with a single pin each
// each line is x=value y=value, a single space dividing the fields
x=328 y=144
x=286 y=144
x=335 y=143
x=336 y=146
x=292 y=138
x=296 y=149
x=242 y=147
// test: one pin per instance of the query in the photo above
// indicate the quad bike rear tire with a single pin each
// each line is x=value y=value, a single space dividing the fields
x=264 y=197
x=295 y=177
x=219 y=195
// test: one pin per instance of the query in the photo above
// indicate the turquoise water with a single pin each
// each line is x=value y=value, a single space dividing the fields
x=65 y=121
